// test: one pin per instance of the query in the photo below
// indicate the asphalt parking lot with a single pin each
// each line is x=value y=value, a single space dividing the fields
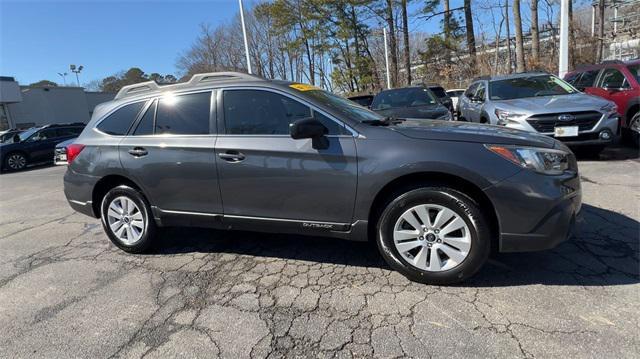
x=65 y=291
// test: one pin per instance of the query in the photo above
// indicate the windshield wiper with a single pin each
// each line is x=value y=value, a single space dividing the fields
x=389 y=120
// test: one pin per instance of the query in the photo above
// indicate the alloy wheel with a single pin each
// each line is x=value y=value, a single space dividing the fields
x=432 y=238
x=126 y=220
x=16 y=161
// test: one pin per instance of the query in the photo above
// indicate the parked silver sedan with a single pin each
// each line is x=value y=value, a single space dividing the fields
x=540 y=102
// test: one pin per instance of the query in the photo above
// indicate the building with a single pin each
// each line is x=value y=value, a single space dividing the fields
x=27 y=106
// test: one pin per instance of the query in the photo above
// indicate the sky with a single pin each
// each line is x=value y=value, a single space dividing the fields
x=38 y=39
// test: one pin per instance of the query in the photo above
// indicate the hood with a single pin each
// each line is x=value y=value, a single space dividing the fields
x=553 y=104
x=429 y=112
x=472 y=132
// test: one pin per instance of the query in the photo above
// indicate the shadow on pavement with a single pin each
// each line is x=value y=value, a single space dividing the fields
x=604 y=252
x=617 y=152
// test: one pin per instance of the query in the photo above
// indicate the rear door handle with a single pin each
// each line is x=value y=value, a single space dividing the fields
x=138 y=152
x=231 y=156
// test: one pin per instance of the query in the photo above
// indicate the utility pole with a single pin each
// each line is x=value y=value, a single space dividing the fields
x=386 y=56
x=506 y=17
x=244 y=34
x=593 y=20
x=563 y=66
x=600 y=54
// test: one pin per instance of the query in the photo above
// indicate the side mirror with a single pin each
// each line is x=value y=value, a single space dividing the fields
x=307 y=128
x=16 y=138
x=477 y=99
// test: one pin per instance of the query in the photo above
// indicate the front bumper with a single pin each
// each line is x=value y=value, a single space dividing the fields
x=592 y=136
x=536 y=212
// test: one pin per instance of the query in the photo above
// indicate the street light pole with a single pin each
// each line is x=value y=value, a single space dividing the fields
x=64 y=77
x=76 y=71
x=386 y=56
x=563 y=66
x=244 y=34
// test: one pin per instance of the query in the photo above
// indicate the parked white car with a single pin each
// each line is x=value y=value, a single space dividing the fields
x=454 y=94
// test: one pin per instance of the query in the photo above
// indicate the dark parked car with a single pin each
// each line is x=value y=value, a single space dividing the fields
x=8 y=135
x=235 y=151
x=615 y=81
x=362 y=100
x=442 y=96
x=36 y=145
x=60 y=154
x=410 y=103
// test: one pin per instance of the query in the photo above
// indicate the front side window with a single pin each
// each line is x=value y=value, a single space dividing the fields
x=612 y=78
x=257 y=112
x=481 y=91
x=183 y=114
x=118 y=123
x=587 y=79
x=46 y=134
x=471 y=90
x=530 y=86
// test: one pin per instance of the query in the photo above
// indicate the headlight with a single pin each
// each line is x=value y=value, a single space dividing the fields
x=609 y=109
x=541 y=160
x=507 y=117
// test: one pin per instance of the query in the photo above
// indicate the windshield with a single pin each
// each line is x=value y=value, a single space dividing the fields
x=532 y=86
x=26 y=134
x=635 y=71
x=342 y=105
x=408 y=97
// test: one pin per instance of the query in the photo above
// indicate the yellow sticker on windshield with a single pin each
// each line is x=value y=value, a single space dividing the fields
x=303 y=87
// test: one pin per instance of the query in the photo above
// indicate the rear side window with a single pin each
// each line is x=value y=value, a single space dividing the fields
x=587 y=79
x=145 y=127
x=184 y=114
x=256 y=112
x=118 y=123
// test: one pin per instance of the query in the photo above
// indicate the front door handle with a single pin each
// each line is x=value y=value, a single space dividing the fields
x=138 y=152
x=231 y=156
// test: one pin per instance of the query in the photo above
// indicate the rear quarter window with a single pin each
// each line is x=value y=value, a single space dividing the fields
x=118 y=123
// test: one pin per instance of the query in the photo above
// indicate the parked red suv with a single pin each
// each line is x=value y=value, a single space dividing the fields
x=616 y=81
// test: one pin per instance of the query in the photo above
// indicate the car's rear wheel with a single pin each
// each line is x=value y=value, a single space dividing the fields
x=126 y=218
x=633 y=130
x=434 y=235
x=15 y=161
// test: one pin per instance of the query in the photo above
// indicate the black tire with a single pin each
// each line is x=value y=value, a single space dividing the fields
x=15 y=161
x=466 y=208
x=630 y=136
x=591 y=151
x=149 y=227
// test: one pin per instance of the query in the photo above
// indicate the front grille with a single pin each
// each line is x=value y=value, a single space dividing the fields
x=546 y=123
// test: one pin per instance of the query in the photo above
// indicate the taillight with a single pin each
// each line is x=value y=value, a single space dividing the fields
x=73 y=150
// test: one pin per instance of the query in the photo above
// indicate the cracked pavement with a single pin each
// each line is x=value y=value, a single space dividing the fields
x=65 y=291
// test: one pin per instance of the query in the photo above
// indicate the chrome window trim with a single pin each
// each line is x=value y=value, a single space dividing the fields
x=353 y=132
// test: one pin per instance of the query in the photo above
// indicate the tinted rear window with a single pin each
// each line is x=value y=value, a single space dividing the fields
x=184 y=114
x=118 y=123
x=438 y=91
x=408 y=97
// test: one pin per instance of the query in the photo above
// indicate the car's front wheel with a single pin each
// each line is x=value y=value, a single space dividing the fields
x=126 y=218
x=434 y=235
x=15 y=161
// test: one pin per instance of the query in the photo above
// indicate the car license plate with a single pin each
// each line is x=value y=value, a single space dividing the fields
x=62 y=157
x=566 y=131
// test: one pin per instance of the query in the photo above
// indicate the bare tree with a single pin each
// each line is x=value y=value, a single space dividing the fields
x=520 y=65
x=405 y=33
x=535 y=33
x=506 y=19
x=471 y=39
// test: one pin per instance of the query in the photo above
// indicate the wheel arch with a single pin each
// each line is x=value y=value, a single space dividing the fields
x=632 y=110
x=410 y=181
x=106 y=183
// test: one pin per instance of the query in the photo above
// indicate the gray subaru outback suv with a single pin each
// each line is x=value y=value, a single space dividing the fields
x=235 y=151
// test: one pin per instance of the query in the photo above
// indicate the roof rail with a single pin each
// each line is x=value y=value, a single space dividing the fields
x=137 y=88
x=196 y=79
x=617 y=62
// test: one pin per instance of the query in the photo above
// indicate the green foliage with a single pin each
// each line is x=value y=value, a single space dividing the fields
x=132 y=76
x=44 y=83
